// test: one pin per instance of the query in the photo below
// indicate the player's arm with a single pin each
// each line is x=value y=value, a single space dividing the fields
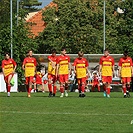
x=74 y=69
x=3 y=71
x=15 y=66
x=113 y=70
x=23 y=66
x=87 y=72
x=119 y=69
x=119 y=72
x=3 y=68
x=57 y=70
x=100 y=68
x=69 y=67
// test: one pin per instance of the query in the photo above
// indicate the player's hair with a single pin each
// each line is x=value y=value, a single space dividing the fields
x=53 y=51
x=7 y=54
x=63 y=48
x=125 y=52
x=106 y=49
x=80 y=54
x=29 y=50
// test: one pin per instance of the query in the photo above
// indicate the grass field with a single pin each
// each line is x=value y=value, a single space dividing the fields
x=41 y=114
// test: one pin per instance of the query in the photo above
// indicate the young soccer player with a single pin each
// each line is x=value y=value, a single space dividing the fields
x=106 y=69
x=8 y=69
x=81 y=71
x=29 y=66
x=95 y=81
x=63 y=69
x=125 y=72
x=51 y=73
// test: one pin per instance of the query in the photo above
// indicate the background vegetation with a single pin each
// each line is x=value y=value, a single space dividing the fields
x=75 y=24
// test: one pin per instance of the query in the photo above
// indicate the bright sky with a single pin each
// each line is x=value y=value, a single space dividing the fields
x=44 y=3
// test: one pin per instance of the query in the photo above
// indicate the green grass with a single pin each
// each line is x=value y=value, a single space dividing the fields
x=41 y=114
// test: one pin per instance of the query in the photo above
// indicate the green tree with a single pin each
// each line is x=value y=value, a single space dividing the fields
x=21 y=41
x=78 y=24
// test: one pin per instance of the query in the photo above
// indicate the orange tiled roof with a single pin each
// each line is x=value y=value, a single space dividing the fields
x=37 y=24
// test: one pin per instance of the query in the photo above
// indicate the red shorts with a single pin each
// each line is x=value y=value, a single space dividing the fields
x=6 y=77
x=81 y=80
x=95 y=83
x=126 y=80
x=52 y=77
x=29 y=79
x=107 y=79
x=63 y=78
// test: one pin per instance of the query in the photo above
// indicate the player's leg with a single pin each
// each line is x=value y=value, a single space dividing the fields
x=98 y=87
x=9 y=77
x=124 y=86
x=109 y=80
x=83 y=83
x=54 y=85
x=66 y=84
x=128 y=86
x=79 y=87
x=104 y=85
x=50 y=85
x=31 y=80
x=61 y=80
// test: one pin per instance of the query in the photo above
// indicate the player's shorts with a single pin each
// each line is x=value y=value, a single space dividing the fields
x=6 y=77
x=126 y=79
x=29 y=79
x=95 y=83
x=52 y=77
x=63 y=78
x=107 y=79
x=81 y=81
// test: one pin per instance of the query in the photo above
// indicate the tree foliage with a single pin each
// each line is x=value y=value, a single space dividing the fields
x=20 y=39
x=78 y=25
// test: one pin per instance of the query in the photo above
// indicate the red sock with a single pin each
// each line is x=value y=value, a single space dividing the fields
x=98 y=88
x=79 y=88
x=83 y=88
x=61 y=89
x=124 y=89
x=128 y=88
x=50 y=87
x=29 y=90
x=92 y=88
x=8 y=88
x=54 y=89
x=104 y=88
x=108 y=91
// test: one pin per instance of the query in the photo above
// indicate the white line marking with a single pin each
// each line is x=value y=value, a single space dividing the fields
x=63 y=113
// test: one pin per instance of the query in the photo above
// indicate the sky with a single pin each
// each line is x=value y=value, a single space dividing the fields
x=44 y=3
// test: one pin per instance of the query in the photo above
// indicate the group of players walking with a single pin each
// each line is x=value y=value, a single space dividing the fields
x=59 y=68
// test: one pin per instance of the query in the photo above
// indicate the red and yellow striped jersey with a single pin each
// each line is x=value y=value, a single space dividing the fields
x=107 y=63
x=8 y=66
x=125 y=64
x=81 y=64
x=30 y=65
x=63 y=62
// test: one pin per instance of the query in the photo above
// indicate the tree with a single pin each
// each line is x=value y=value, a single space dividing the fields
x=21 y=41
x=78 y=24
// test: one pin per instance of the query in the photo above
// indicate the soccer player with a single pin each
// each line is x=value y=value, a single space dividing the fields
x=106 y=69
x=51 y=73
x=125 y=72
x=63 y=68
x=29 y=66
x=81 y=70
x=95 y=81
x=8 y=69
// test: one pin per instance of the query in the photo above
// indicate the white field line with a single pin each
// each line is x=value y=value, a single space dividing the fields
x=63 y=113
